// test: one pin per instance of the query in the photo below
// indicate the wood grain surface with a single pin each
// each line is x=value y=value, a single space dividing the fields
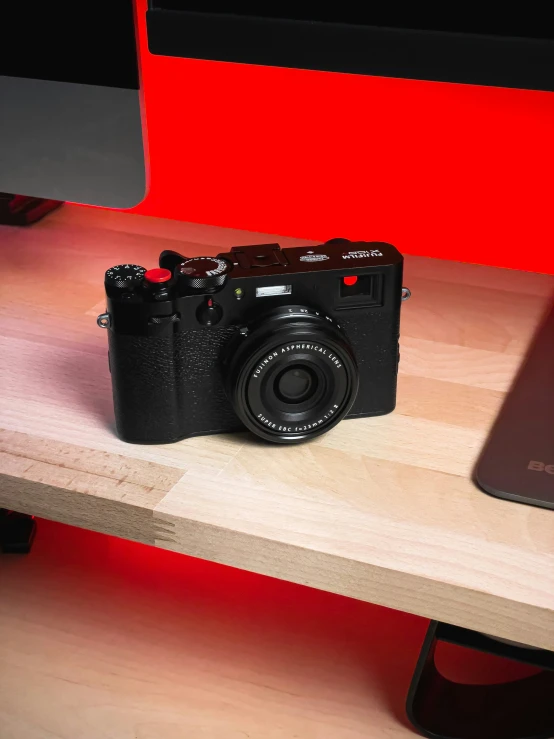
x=380 y=509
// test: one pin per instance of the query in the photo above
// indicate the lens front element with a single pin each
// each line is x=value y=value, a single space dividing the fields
x=294 y=376
x=295 y=384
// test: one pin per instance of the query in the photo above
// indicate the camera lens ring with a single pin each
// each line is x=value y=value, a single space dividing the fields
x=288 y=338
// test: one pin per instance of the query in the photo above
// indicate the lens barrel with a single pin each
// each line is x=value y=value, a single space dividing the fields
x=292 y=375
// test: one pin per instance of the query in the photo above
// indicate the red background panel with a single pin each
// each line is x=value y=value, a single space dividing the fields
x=454 y=171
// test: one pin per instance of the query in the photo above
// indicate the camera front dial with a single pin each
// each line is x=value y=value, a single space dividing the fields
x=291 y=375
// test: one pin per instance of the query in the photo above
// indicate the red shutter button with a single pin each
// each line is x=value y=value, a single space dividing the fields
x=158 y=275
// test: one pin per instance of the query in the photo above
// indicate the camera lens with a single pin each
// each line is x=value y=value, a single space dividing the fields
x=295 y=384
x=292 y=375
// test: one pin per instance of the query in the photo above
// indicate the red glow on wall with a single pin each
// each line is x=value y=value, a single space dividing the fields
x=453 y=171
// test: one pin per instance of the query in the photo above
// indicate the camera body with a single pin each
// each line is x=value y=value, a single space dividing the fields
x=283 y=342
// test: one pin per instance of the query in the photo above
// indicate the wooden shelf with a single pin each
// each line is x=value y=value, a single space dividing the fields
x=382 y=510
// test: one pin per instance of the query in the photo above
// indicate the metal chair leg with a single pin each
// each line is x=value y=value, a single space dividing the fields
x=442 y=709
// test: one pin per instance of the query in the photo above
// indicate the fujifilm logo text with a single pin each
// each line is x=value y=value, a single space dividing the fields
x=362 y=254
x=541 y=467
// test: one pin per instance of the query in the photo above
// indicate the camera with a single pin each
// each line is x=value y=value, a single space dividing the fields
x=284 y=342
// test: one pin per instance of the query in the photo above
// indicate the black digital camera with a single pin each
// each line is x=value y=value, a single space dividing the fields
x=283 y=342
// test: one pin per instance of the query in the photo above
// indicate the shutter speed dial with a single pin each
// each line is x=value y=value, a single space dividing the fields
x=204 y=272
x=125 y=276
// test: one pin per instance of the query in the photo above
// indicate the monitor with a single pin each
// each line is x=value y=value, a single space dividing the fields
x=70 y=117
x=506 y=47
x=70 y=123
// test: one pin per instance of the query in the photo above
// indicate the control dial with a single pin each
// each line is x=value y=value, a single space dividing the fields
x=124 y=276
x=205 y=272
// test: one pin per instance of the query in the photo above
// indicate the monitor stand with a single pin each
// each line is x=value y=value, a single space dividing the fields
x=517 y=462
x=17 y=532
x=21 y=210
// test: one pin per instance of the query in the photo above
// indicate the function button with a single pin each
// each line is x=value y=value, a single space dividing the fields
x=158 y=275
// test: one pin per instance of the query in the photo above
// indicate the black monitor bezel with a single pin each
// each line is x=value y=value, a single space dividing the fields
x=444 y=56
